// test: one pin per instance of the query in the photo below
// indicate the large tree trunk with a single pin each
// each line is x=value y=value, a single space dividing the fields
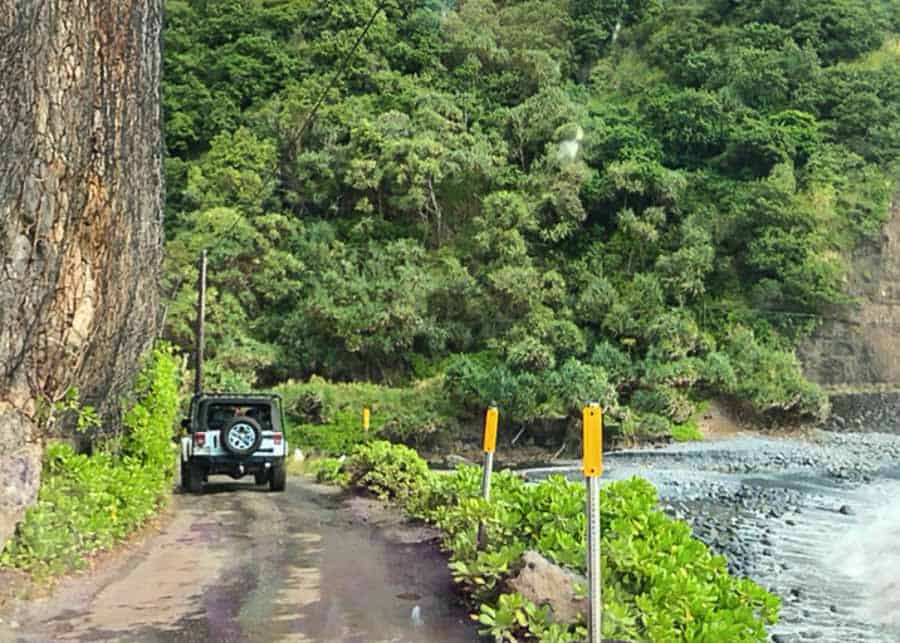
x=80 y=214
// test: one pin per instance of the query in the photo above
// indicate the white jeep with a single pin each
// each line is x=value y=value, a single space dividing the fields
x=236 y=434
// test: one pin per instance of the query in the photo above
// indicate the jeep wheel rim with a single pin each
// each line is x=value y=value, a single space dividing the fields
x=241 y=437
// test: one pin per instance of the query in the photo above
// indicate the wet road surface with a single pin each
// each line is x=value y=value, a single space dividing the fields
x=238 y=564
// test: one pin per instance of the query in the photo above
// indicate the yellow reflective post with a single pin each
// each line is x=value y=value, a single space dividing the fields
x=490 y=430
x=366 y=419
x=592 y=440
x=489 y=445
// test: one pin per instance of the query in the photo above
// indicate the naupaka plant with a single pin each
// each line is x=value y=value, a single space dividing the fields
x=659 y=582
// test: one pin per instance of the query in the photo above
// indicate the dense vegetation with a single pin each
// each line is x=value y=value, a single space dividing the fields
x=537 y=202
x=90 y=502
x=326 y=417
x=659 y=584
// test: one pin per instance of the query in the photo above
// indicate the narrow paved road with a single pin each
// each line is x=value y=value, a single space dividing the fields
x=239 y=564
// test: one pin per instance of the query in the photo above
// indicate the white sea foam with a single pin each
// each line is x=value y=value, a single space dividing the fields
x=869 y=554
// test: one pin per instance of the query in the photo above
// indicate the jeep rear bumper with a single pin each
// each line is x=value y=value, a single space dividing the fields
x=236 y=466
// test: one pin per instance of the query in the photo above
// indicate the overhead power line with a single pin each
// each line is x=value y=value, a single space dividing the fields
x=340 y=70
x=222 y=236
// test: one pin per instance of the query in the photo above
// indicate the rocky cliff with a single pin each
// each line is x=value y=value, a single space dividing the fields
x=860 y=346
x=856 y=353
x=80 y=214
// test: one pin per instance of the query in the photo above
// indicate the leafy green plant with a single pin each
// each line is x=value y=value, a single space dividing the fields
x=482 y=573
x=338 y=437
x=328 y=471
x=388 y=470
x=507 y=619
x=85 y=415
x=90 y=502
x=514 y=617
x=660 y=584
x=687 y=432
x=327 y=417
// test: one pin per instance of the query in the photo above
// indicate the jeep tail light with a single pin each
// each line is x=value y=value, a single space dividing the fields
x=199 y=439
x=276 y=438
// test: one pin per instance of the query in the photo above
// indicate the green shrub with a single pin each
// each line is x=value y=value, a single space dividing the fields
x=328 y=471
x=327 y=417
x=660 y=584
x=687 y=432
x=337 y=437
x=770 y=378
x=527 y=395
x=91 y=502
x=513 y=613
x=388 y=470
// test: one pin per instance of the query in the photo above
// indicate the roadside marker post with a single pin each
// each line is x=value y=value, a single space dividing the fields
x=489 y=445
x=592 y=440
x=366 y=418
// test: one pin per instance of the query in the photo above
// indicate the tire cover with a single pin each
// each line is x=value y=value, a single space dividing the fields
x=241 y=435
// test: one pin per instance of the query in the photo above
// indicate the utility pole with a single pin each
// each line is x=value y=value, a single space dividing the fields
x=201 y=324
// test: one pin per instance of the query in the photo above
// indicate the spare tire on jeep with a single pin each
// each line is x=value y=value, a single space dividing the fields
x=241 y=435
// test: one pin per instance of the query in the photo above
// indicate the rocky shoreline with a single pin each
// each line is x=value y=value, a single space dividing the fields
x=789 y=514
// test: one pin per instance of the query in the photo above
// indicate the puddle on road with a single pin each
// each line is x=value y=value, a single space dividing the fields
x=323 y=576
x=355 y=586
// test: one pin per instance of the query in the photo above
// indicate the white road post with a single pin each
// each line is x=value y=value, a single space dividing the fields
x=489 y=446
x=592 y=440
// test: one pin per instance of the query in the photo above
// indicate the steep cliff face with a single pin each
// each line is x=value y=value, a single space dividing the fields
x=860 y=348
x=80 y=214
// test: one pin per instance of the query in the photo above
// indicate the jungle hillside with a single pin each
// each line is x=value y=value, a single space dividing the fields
x=538 y=203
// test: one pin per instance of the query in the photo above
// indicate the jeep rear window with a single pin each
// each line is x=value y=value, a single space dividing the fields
x=218 y=414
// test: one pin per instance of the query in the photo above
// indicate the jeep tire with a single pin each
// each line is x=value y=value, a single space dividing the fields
x=241 y=435
x=184 y=476
x=277 y=478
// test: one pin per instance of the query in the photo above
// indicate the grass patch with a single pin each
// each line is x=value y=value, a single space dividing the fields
x=887 y=54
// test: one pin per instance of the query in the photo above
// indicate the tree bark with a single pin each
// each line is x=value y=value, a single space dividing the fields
x=80 y=215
